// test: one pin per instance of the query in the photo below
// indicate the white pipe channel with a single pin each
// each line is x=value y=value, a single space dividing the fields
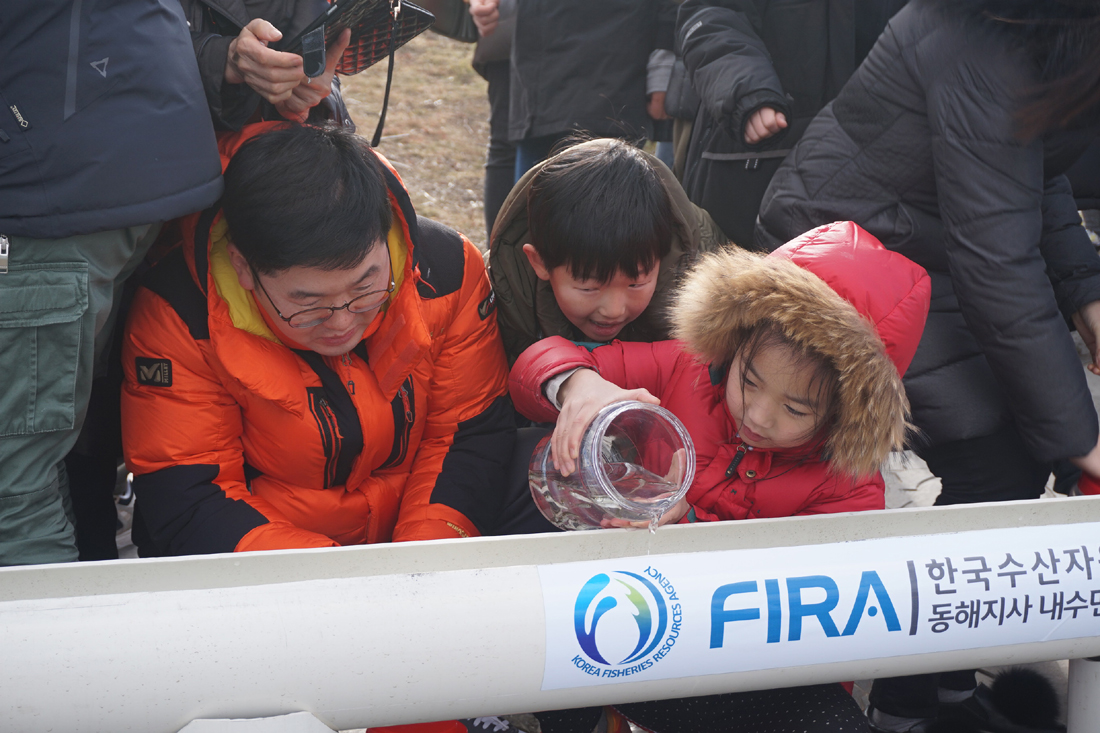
x=399 y=633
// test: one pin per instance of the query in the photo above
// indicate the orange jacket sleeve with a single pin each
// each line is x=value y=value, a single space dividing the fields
x=456 y=484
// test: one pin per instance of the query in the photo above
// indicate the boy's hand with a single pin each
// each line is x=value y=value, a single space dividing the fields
x=486 y=15
x=581 y=396
x=764 y=123
x=309 y=92
x=655 y=107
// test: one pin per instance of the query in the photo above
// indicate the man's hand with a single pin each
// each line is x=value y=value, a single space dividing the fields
x=273 y=74
x=485 y=14
x=1090 y=462
x=1087 y=322
x=581 y=396
x=764 y=123
x=656 y=106
x=309 y=93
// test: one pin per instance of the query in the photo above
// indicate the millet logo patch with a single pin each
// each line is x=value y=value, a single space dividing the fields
x=153 y=372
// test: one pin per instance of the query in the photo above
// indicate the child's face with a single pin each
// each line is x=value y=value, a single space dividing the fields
x=774 y=408
x=599 y=310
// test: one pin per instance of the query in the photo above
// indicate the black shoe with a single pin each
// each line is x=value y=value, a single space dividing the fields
x=979 y=711
x=923 y=725
x=490 y=724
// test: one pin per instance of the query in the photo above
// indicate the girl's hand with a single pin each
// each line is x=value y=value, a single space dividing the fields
x=676 y=512
x=673 y=515
x=581 y=396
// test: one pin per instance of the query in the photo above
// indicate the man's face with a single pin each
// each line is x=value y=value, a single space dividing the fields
x=301 y=288
x=600 y=310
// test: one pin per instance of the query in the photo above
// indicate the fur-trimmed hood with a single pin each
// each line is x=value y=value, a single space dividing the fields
x=837 y=292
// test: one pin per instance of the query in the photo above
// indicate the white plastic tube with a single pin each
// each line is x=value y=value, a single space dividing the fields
x=397 y=633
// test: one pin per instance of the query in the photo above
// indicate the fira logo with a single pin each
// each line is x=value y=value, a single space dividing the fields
x=625 y=621
x=798 y=609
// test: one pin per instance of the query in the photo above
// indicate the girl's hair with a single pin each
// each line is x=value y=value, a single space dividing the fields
x=824 y=386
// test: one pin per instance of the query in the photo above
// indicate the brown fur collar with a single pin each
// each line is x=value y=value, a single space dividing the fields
x=730 y=293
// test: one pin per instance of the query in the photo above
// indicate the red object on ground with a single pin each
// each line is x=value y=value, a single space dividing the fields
x=443 y=726
x=1088 y=485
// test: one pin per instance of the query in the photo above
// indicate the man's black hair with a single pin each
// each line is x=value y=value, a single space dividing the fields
x=600 y=210
x=306 y=196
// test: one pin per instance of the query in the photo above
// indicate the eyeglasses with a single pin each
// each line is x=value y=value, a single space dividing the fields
x=316 y=316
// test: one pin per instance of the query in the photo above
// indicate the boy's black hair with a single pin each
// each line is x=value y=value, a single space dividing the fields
x=600 y=210
x=306 y=196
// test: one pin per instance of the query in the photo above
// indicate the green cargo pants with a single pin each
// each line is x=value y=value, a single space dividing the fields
x=58 y=300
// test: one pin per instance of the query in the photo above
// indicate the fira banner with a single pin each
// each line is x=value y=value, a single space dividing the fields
x=684 y=615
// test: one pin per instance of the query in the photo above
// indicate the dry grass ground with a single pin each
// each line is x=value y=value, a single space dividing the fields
x=437 y=127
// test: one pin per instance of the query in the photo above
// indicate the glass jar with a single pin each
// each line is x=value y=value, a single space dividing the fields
x=636 y=461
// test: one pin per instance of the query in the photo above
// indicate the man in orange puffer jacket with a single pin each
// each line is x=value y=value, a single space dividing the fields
x=316 y=366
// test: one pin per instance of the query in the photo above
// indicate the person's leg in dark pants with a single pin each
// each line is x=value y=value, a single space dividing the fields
x=500 y=161
x=994 y=467
x=519 y=514
x=813 y=709
x=914 y=696
x=576 y=720
x=533 y=150
x=91 y=489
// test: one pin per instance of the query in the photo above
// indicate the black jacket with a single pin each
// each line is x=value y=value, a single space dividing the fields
x=214 y=25
x=103 y=124
x=741 y=55
x=1084 y=176
x=581 y=65
x=921 y=148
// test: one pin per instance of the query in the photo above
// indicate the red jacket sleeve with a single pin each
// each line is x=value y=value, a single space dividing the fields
x=628 y=365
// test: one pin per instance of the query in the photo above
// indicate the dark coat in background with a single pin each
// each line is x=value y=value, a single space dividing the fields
x=581 y=65
x=921 y=148
x=1084 y=177
x=215 y=23
x=741 y=55
x=102 y=125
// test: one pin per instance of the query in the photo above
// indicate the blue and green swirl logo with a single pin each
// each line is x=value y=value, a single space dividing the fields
x=643 y=600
